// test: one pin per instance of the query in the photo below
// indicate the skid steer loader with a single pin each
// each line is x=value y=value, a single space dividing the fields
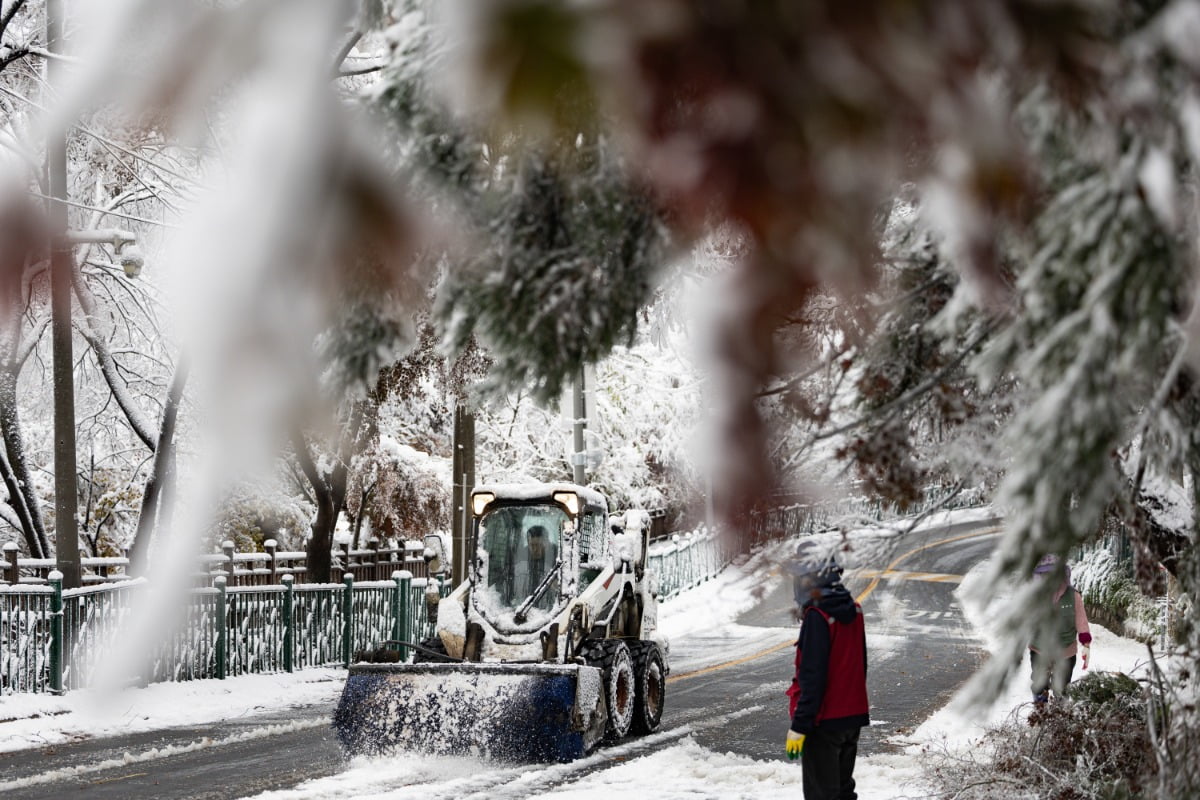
x=547 y=649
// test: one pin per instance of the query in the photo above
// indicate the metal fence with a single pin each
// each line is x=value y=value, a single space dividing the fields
x=800 y=518
x=25 y=634
x=687 y=560
x=52 y=640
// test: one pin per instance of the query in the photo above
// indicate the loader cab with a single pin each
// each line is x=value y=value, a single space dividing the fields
x=530 y=545
x=518 y=550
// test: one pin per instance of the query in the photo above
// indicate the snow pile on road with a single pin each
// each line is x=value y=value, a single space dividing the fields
x=38 y=720
x=688 y=771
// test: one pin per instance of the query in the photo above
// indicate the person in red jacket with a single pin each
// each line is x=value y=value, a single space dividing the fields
x=829 y=690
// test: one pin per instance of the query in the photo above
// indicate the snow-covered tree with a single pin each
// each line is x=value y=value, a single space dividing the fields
x=126 y=177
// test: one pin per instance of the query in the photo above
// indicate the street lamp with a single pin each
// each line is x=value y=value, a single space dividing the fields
x=129 y=255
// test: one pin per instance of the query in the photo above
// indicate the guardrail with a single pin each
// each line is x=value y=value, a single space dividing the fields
x=687 y=559
x=800 y=518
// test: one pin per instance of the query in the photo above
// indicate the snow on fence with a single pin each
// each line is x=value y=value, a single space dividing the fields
x=17 y=569
x=371 y=563
x=53 y=640
x=25 y=618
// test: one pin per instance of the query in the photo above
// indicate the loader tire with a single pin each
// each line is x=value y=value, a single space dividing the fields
x=437 y=652
x=650 y=678
x=613 y=659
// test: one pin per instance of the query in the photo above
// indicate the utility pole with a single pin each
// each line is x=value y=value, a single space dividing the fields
x=464 y=481
x=579 y=424
x=66 y=528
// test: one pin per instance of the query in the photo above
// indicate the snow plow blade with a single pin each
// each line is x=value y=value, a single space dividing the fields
x=508 y=712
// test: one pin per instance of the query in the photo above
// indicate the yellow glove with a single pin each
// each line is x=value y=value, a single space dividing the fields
x=794 y=745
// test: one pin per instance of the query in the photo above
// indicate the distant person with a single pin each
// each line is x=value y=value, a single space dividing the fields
x=1063 y=635
x=829 y=690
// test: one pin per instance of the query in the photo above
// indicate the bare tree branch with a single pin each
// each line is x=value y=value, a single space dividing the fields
x=892 y=406
x=108 y=368
x=9 y=15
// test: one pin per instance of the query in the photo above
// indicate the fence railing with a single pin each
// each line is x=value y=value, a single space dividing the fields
x=688 y=559
x=53 y=640
x=371 y=563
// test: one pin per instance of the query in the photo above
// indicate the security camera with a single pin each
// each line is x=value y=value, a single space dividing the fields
x=131 y=259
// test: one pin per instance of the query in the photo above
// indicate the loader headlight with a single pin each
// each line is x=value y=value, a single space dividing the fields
x=480 y=501
x=568 y=499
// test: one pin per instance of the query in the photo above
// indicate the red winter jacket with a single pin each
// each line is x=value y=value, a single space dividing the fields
x=829 y=690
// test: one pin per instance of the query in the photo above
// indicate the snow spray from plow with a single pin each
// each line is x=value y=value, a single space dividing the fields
x=507 y=712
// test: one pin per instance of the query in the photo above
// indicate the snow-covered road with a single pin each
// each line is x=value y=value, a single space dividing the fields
x=712 y=747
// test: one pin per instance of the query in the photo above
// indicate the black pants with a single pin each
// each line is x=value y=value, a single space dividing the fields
x=1049 y=673
x=828 y=762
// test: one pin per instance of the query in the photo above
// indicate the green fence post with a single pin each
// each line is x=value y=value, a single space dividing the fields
x=289 y=635
x=403 y=580
x=347 y=617
x=397 y=605
x=222 y=643
x=56 y=633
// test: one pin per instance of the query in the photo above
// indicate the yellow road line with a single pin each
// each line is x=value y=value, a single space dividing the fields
x=992 y=531
x=734 y=663
x=865 y=593
x=119 y=778
x=901 y=575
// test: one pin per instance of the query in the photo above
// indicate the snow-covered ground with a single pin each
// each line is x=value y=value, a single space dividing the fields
x=681 y=769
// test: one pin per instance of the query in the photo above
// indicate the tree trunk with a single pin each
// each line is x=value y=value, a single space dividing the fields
x=319 y=550
x=16 y=501
x=156 y=500
x=318 y=558
x=329 y=492
x=364 y=496
x=17 y=477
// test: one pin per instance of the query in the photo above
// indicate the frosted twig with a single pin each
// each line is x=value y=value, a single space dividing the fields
x=890 y=407
x=104 y=212
x=1159 y=400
